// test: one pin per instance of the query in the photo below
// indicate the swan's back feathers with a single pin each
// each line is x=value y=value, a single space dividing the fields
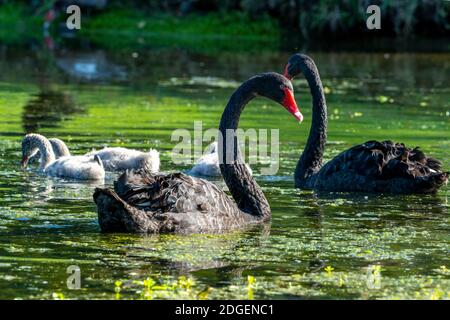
x=207 y=165
x=77 y=167
x=121 y=159
x=174 y=202
x=392 y=160
x=382 y=167
x=175 y=192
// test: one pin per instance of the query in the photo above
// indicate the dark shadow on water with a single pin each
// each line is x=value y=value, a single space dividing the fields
x=47 y=109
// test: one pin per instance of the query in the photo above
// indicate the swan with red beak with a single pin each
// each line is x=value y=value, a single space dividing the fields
x=144 y=202
x=373 y=166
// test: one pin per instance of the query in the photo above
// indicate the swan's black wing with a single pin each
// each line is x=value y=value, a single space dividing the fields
x=381 y=167
x=147 y=203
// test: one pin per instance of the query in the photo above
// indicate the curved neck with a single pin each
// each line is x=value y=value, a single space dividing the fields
x=244 y=189
x=45 y=149
x=311 y=159
x=59 y=148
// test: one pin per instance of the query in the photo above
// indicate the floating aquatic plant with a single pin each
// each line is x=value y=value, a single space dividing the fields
x=58 y=296
x=329 y=270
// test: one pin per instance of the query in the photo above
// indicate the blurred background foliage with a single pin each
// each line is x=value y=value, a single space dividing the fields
x=328 y=17
x=311 y=18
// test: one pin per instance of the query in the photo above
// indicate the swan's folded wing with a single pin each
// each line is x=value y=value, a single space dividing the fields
x=383 y=160
x=171 y=203
x=382 y=167
x=76 y=167
x=174 y=192
x=400 y=161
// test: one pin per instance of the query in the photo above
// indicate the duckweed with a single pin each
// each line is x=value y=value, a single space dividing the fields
x=330 y=246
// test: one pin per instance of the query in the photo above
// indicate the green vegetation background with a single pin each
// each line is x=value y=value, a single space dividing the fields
x=127 y=23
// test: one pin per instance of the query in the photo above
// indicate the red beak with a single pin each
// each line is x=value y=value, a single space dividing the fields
x=290 y=104
x=286 y=72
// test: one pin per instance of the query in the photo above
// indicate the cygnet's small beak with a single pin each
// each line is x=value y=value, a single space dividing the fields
x=24 y=162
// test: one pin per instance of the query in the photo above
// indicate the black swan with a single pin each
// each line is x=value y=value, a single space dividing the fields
x=369 y=167
x=143 y=202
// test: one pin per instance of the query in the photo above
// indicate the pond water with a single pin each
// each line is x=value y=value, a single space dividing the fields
x=360 y=246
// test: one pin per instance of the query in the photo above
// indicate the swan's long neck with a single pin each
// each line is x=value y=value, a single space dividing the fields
x=244 y=189
x=59 y=148
x=311 y=159
x=45 y=149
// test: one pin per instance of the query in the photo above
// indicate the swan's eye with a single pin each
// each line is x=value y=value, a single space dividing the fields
x=286 y=88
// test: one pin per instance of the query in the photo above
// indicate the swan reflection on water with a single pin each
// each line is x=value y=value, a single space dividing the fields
x=43 y=188
x=47 y=109
x=183 y=254
x=376 y=204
